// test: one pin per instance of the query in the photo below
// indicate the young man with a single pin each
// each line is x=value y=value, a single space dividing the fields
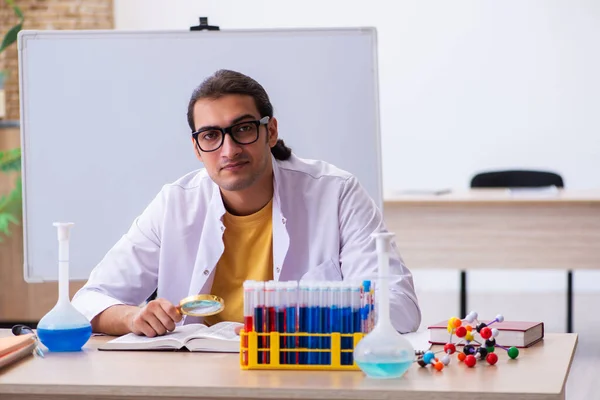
x=256 y=211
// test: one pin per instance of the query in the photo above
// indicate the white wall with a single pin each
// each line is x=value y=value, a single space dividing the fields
x=464 y=85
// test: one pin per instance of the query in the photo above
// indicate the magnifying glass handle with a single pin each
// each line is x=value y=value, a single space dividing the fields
x=21 y=330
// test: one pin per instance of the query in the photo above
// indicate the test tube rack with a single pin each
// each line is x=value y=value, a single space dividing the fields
x=251 y=353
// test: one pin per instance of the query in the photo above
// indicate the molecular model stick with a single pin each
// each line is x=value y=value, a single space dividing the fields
x=463 y=329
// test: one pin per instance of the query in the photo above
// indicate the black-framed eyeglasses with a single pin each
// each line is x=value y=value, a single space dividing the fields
x=211 y=139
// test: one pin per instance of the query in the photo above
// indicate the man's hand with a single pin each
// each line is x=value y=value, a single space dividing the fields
x=155 y=319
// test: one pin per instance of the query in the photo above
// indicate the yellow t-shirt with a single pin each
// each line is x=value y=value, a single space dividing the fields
x=248 y=254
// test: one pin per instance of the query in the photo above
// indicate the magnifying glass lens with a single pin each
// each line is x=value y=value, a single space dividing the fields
x=201 y=305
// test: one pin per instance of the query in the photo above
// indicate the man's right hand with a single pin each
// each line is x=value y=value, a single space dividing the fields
x=154 y=319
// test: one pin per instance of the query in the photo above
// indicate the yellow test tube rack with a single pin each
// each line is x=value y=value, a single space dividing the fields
x=249 y=354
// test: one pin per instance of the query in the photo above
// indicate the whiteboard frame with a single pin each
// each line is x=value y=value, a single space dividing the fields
x=25 y=35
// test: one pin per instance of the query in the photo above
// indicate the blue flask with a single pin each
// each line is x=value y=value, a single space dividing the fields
x=64 y=328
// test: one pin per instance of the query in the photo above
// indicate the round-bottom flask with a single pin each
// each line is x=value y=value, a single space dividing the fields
x=384 y=353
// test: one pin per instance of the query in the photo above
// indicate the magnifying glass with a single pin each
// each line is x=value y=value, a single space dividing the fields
x=201 y=305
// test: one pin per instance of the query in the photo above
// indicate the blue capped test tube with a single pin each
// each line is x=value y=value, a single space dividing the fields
x=347 y=322
x=280 y=300
x=355 y=299
x=335 y=315
x=314 y=323
x=291 y=320
x=325 y=323
x=303 y=319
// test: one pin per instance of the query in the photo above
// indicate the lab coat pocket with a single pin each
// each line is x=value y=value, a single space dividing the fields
x=326 y=271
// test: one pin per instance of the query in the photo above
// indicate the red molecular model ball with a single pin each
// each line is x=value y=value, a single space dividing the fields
x=449 y=348
x=470 y=361
x=486 y=333
x=492 y=358
x=461 y=331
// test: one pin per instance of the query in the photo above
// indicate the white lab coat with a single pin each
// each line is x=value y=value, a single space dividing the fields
x=322 y=221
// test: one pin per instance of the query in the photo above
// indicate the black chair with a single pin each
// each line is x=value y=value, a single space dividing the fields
x=518 y=179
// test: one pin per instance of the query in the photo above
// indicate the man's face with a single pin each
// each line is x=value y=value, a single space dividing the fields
x=235 y=166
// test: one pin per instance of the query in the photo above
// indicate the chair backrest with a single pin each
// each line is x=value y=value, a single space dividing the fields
x=516 y=178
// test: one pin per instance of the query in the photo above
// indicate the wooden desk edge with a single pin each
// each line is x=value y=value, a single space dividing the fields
x=54 y=392
x=102 y=392
x=440 y=201
x=576 y=337
x=495 y=197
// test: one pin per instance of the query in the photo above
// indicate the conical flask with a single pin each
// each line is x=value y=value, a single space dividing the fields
x=384 y=353
x=63 y=328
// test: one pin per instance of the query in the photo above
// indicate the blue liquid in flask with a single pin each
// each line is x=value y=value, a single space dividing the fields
x=64 y=328
x=64 y=339
x=384 y=369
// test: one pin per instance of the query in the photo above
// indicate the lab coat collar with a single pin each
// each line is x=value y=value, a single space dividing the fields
x=210 y=248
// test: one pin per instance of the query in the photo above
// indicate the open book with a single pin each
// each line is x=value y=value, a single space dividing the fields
x=220 y=337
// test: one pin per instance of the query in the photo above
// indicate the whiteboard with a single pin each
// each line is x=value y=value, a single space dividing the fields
x=103 y=120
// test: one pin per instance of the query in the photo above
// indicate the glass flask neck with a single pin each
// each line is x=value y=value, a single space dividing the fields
x=63 y=272
x=383 y=245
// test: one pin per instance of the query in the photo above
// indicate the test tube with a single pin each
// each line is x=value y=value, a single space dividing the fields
x=346 y=311
x=335 y=293
x=366 y=310
x=373 y=312
x=270 y=316
x=325 y=308
x=280 y=305
x=355 y=298
x=314 y=318
x=249 y=289
x=259 y=317
x=290 y=323
x=303 y=319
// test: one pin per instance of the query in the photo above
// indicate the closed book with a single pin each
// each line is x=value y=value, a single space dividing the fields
x=512 y=333
x=14 y=348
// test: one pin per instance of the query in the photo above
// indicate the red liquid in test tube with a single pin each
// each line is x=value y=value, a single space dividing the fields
x=249 y=288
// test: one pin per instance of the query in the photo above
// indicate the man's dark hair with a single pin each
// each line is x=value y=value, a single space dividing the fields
x=224 y=82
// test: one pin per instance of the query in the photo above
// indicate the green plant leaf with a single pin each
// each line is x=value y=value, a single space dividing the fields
x=10 y=160
x=19 y=13
x=4 y=224
x=11 y=37
x=11 y=207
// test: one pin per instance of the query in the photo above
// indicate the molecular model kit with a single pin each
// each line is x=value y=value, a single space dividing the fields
x=465 y=329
